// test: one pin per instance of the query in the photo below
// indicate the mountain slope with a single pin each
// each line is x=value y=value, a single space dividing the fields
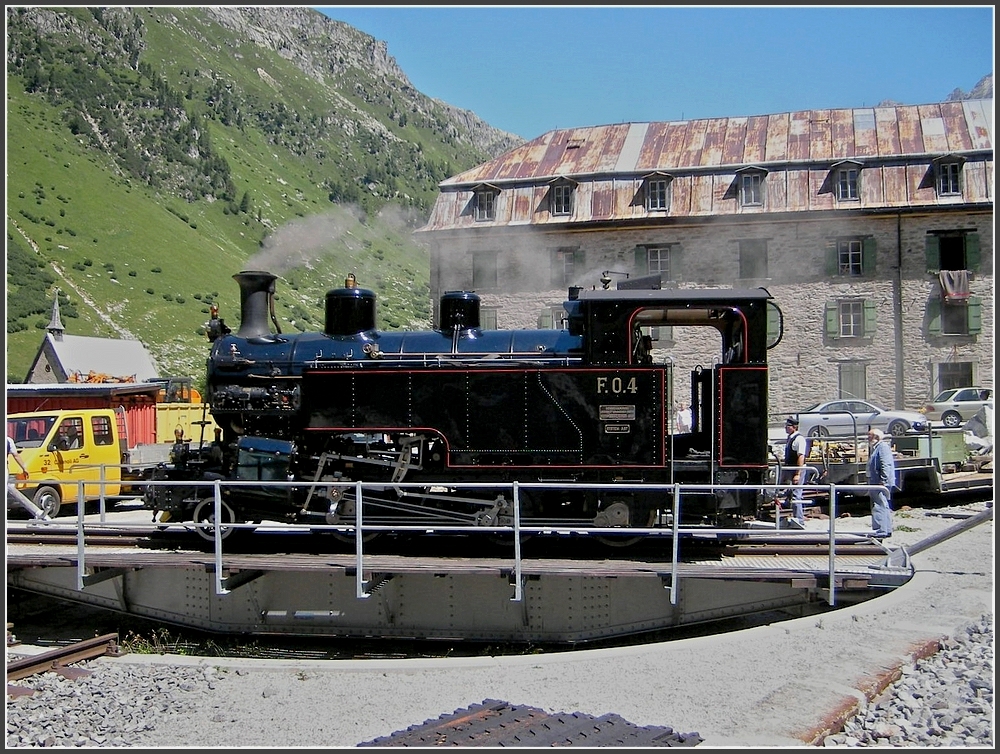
x=154 y=152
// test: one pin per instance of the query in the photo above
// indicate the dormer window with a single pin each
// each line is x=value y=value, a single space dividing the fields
x=845 y=180
x=948 y=171
x=751 y=186
x=561 y=197
x=484 y=202
x=658 y=192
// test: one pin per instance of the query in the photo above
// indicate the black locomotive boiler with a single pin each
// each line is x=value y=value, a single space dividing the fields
x=418 y=415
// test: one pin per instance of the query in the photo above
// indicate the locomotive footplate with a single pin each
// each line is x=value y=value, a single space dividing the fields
x=561 y=601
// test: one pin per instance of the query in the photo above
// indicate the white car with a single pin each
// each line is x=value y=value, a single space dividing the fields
x=958 y=405
x=853 y=418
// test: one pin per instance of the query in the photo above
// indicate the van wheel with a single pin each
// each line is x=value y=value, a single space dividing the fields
x=47 y=498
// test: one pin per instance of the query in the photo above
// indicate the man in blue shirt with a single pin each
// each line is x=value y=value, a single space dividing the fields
x=881 y=470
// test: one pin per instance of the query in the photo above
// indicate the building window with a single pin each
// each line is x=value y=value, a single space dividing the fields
x=947 y=178
x=657 y=194
x=850 y=318
x=484 y=270
x=562 y=199
x=488 y=317
x=752 y=189
x=954 y=319
x=852 y=380
x=847 y=184
x=552 y=318
x=959 y=318
x=485 y=204
x=849 y=257
x=952 y=250
x=753 y=258
x=564 y=266
x=658 y=260
x=954 y=374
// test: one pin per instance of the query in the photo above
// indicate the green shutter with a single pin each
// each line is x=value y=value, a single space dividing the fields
x=934 y=316
x=972 y=251
x=975 y=315
x=870 y=319
x=641 y=261
x=832 y=320
x=578 y=259
x=676 y=262
x=832 y=260
x=545 y=320
x=869 y=254
x=932 y=251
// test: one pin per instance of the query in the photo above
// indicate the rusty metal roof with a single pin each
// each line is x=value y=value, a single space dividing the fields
x=894 y=148
x=495 y=723
x=822 y=136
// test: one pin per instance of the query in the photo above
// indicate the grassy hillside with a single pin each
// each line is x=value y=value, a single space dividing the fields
x=154 y=153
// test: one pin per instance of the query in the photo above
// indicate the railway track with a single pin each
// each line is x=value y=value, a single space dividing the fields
x=61 y=658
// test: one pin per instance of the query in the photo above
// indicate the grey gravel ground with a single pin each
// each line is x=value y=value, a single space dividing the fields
x=781 y=685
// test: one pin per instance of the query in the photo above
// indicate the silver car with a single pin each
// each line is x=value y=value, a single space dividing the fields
x=853 y=418
x=956 y=406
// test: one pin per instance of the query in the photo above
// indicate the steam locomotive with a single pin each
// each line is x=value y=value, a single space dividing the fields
x=584 y=410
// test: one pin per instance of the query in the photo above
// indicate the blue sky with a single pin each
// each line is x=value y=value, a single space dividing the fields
x=530 y=69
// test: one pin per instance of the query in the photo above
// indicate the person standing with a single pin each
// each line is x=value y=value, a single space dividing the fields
x=13 y=493
x=682 y=418
x=794 y=471
x=881 y=470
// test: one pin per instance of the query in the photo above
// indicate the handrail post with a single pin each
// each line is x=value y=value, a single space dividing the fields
x=103 y=480
x=81 y=567
x=832 y=599
x=516 y=495
x=359 y=576
x=220 y=587
x=674 y=571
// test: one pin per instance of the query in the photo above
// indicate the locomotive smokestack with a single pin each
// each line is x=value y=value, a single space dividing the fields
x=256 y=289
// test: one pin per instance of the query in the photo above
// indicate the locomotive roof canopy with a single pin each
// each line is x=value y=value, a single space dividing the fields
x=679 y=296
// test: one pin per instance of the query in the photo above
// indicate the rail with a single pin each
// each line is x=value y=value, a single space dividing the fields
x=58 y=658
x=669 y=516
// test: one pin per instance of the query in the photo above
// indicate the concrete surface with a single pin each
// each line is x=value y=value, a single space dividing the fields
x=786 y=684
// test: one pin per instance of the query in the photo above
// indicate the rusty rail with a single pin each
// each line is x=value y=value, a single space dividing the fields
x=58 y=658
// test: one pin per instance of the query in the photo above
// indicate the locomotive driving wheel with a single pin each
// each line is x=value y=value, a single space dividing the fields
x=624 y=512
x=204 y=519
x=342 y=511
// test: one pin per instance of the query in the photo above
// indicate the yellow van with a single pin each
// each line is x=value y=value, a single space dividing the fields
x=63 y=447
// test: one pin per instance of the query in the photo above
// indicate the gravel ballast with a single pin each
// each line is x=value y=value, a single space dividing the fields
x=826 y=679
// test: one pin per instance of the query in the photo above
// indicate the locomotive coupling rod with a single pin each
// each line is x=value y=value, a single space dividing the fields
x=57 y=658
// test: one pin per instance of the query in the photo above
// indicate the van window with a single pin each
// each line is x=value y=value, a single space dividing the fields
x=101 y=426
x=30 y=432
x=70 y=436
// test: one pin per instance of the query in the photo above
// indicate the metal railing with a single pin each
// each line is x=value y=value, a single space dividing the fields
x=669 y=513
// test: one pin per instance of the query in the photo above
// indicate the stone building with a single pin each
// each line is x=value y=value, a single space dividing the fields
x=872 y=228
